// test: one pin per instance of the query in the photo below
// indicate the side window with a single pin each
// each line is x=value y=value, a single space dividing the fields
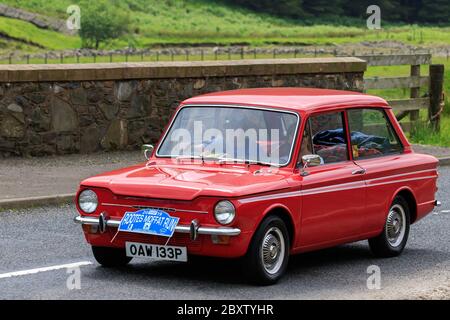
x=372 y=133
x=325 y=136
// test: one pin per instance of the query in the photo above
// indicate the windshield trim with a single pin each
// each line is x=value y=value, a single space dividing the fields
x=294 y=141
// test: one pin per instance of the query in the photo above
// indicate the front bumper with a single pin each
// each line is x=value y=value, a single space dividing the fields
x=193 y=229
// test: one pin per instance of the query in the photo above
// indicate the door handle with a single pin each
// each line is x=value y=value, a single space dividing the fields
x=359 y=171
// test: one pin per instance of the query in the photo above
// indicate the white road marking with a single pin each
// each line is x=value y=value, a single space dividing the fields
x=44 y=269
x=442 y=211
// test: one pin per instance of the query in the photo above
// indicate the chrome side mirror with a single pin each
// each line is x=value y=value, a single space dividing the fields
x=147 y=149
x=310 y=160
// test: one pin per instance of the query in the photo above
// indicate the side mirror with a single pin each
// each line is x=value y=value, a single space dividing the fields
x=311 y=160
x=147 y=149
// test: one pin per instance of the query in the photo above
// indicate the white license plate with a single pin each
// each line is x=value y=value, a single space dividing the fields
x=156 y=252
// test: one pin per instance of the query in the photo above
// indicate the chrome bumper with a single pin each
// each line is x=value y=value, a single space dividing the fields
x=437 y=203
x=193 y=229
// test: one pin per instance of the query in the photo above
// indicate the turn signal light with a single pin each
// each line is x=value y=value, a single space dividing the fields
x=220 y=239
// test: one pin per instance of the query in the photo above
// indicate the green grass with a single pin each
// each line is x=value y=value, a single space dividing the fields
x=423 y=134
x=167 y=22
x=8 y=46
x=31 y=34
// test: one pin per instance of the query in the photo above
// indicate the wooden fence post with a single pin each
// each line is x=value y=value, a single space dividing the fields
x=415 y=93
x=436 y=100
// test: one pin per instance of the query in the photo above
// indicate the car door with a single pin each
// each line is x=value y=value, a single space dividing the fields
x=333 y=193
x=377 y=148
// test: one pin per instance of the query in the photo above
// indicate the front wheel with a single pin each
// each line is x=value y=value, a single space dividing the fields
x=392 y=240
x=110 y=257
x=268 y=253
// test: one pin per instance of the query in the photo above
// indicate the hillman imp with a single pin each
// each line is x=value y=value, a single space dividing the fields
x=261 y=174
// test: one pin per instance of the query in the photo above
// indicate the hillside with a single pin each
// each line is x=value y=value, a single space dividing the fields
x=180 y=22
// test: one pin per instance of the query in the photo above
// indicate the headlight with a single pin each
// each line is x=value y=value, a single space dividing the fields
x=224 y=212
x=88 y=201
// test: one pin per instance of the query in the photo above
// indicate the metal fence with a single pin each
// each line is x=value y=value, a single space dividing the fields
x=193 y=54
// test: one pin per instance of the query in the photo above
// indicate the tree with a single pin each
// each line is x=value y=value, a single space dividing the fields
x=101 y=20
x=435 y=11
x=409 y=11
x=284 y=8
x=323 y=8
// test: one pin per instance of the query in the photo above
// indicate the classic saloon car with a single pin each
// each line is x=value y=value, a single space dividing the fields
x=262 y=174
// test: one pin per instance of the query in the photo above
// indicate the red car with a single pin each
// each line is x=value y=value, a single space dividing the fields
x=262 y=174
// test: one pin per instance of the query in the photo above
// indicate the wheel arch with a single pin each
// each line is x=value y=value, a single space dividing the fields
x=284 y=214
x=408 y=194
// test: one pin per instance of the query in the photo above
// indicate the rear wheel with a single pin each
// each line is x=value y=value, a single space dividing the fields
x=110 y=257
x=392 y=240
x=268 y=253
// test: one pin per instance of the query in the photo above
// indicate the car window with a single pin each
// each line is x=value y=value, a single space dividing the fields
x=231 y=134
x=325 y=136
x=372 y=133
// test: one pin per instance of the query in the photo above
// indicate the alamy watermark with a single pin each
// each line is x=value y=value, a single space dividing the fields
x=374 y=279
x=74 y=280
x=374 y=20
x=73 y=22
x=243 y=144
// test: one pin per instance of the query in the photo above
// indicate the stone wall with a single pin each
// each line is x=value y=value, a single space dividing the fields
x=59 y=109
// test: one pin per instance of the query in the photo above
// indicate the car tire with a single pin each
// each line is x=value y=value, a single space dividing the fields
x=268 y=254
x=392 y=241
x=110 y=257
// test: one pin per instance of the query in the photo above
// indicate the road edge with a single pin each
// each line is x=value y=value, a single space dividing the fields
x=21 y=203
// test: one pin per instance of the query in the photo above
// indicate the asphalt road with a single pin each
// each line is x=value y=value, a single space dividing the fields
x=46 y=237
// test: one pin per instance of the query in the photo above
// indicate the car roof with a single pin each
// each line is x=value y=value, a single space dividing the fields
x=296 y=99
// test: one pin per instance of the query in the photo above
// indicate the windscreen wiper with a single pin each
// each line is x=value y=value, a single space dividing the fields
x=199 y=157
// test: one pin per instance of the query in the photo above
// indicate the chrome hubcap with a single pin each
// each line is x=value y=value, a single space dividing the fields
x=396 y=225
x=272 y=250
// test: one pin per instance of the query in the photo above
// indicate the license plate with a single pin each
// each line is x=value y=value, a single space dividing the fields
x=149 y=221
x=156 y=252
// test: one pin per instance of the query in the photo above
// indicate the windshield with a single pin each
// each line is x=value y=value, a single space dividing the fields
x=235 y=134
